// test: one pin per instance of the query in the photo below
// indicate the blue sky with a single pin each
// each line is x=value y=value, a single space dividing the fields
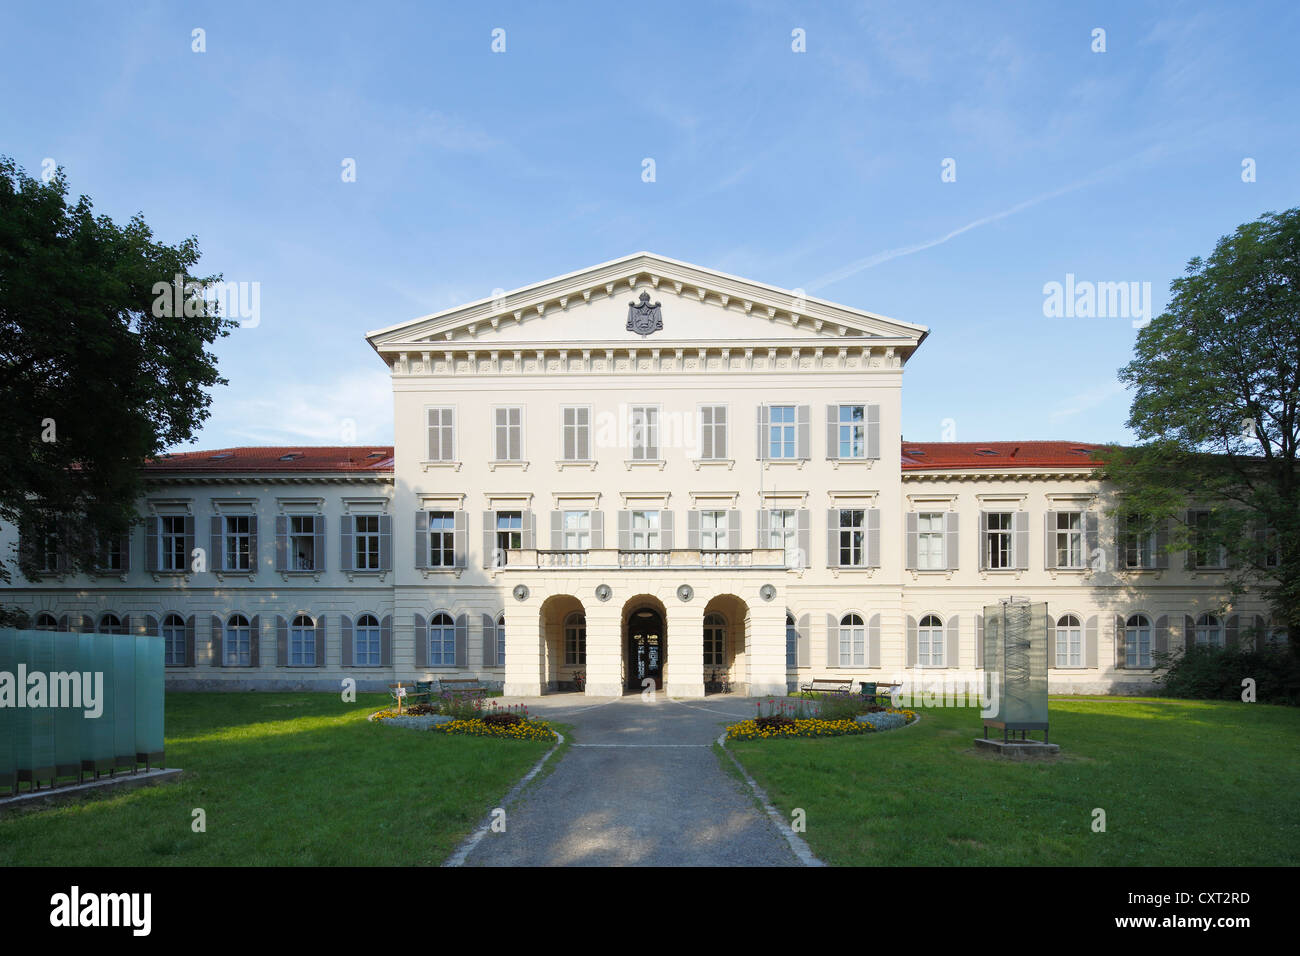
x=818 y=170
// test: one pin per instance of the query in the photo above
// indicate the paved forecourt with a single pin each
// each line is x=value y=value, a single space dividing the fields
x=640 y=786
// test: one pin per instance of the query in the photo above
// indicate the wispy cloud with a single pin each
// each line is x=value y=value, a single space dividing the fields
x=1085 y=401
x=351 y=409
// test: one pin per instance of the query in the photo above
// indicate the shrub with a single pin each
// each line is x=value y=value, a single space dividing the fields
x=1214 y=673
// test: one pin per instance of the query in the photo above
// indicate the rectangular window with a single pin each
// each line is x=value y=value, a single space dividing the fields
x=442 y=434
x=781 y=432
x=110 y=553
x=997 y=540
x=365 y=542
x=302 y=542
x=575 y=641
x=510 y=532
x=1205 y=553
x=783 y=528
x=1069 y=539
x=713 y=431
x=929 y=542
x=508 y=429
x=576 y=437
x=172 y=542
x=713 y=530
x=645 y=531
x=442 y=539
x=645 y=433
x=577 y=530
x=1139 y=543
x=853 y=530
x=853 y=431
x=238 y=537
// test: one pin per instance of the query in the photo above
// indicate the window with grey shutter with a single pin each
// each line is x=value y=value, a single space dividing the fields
x=873 y=431
x=693 y=530
x=460 y=538
x=873 y=537
x=214 y=640
x=1160 y=636
x=911 y=535
x=832 y=537
x=764 y=532
x=1051 y=641
x=1162 y=544
x=911 y=641
x=489 y=641
x=421 y=633
x=979 y=641
x=385 y=542
x=832 y=432
x=216 y=542
x=281 y=642
x=422 y=539
x=462 y=640
x=1121 y=641
x=189 y=640
x=734 y=539
x=761 y=452
x=953 y=658
x=598 y=529
x=530 y=531
x=255 y=641
x=803 y=432
x=1189 y=632
x=386 y=641
x=1020 y=538
x=322 y=644
x=345 y=542
x=1049 y=540
x=625 y=531
x=1121 y=540
x=713 y=432
x=1091 y=541
x=151 y=538
x=345 y=640
x=873 y=641
x=1232 y=632
x=557 y=530
x=1090 y=642
x=803 y=519
x=950 y=552
x=666 y=530
x=804 y=646
x=490 y=557
x=832 y=641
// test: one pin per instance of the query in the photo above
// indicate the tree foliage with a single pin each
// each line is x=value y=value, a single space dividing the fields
x=92 y=381
x=1216 y=405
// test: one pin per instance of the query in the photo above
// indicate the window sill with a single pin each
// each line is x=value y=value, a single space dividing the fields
x=509 y=463
x=377 y=575
x=586 y=464
x=769 y=463
x=160 y=576
x=728 y=463
x=918 y=573
x=434 y=572
x=222 y=575
x=863 y=462
x=435 y=465
x=656 y=463
x=287 y=575
x=864 y=571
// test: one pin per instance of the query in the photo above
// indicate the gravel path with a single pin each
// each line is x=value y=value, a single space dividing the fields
x=640 y=786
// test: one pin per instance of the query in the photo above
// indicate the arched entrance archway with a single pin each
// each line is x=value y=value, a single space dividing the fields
x=563 y=624
x=724 y=631
x=645 y=643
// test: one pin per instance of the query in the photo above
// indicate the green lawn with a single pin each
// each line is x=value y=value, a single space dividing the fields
x=294 y=779
x=1181 y=782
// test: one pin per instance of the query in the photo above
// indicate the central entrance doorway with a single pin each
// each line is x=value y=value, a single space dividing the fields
x=646 y=648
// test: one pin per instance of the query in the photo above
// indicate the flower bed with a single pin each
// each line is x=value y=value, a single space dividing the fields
x=517 y=730
x=772 y=726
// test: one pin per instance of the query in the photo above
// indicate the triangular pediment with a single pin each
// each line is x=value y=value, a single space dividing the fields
x=697 y=305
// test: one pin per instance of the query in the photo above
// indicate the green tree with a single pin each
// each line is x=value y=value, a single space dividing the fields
x=92 y=380
x=1216 y=405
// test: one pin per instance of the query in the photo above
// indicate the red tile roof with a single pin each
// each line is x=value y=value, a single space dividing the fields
x=936 y=455
x=292 y=459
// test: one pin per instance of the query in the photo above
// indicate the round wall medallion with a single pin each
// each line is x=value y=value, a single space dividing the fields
x=686 y=592
x=521 y=592
x=767 y=592
x=603 y=592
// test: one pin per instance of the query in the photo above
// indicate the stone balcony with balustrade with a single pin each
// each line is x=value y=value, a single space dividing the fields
x=679 y=558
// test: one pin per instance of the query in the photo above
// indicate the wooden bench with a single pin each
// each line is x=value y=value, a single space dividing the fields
x=458 y=686
x=828 y=685
x=414 y=692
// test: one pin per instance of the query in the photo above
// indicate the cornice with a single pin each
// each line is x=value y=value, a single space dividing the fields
x=273 y=479
x=987 y=474
x=424 y=360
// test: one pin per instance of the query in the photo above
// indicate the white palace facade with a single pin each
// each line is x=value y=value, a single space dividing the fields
x=645 y=469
